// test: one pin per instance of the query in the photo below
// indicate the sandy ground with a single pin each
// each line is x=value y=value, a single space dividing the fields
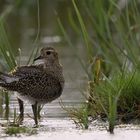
x=65 y=129
x=83 y=135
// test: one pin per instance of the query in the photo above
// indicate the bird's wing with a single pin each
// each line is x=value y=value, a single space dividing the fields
x=34 y=81
x=26 y=70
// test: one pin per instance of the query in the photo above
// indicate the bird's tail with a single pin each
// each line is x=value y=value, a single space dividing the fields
x=6 y=79
x=3 y=78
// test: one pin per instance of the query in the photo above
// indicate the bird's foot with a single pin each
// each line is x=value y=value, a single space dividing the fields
x=35 y=126
x=19 y=119
x=30 y=116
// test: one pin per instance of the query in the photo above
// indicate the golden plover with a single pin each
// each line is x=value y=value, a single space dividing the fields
x=39 y=84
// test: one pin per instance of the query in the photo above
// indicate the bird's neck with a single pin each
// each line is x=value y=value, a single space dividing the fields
x=56 y=70
x=53 y=68
x=50 y=65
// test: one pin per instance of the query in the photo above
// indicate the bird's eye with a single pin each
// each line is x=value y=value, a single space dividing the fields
x=48 y=52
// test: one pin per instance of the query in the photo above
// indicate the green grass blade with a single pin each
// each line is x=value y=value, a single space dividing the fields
x=84 y=31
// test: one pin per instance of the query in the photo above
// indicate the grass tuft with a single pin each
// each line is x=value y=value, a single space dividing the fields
x=19 y=130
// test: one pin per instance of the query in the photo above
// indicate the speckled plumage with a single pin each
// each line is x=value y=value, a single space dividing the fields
x=40 y=83
x=35 y=84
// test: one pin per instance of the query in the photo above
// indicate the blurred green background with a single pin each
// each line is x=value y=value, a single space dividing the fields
x=98 y=42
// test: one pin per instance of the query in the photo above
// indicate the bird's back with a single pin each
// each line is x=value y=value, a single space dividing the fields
x=35 y=83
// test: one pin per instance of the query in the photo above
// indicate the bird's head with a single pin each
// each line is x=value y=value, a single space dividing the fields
x=48 y=55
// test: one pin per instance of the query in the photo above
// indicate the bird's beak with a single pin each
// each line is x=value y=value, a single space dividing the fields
x=39 y=57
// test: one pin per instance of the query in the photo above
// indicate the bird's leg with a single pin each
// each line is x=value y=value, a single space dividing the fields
x=38 y=111
x=35 y=112
x=21 y=109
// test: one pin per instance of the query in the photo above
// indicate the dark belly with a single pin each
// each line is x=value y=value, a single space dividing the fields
x=46 y=94
x=40 y=88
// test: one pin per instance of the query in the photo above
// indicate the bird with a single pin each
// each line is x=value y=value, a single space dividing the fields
x=37 y=83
